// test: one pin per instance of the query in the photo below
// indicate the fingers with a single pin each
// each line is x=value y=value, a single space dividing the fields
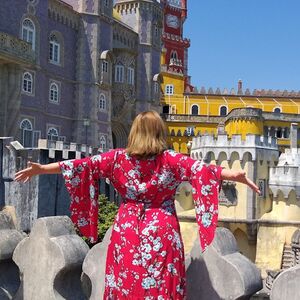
x=253 y=186
x=21 y=177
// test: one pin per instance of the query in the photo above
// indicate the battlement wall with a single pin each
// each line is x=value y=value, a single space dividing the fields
x=259 y=147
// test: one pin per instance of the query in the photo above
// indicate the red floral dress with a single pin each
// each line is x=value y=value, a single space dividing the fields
x=145 y=257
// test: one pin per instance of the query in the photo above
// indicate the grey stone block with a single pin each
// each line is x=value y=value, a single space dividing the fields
x=50 y=261
x=286 y=286
x=221 y=272
x=9 y=272
x=94 y=269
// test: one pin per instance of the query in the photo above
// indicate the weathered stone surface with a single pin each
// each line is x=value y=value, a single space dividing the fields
x=286 y=285
x=9 y=272
x=94 y=269
x=221 y=272
x=54 y=256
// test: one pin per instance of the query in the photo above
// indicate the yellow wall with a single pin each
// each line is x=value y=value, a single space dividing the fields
x=267 y=251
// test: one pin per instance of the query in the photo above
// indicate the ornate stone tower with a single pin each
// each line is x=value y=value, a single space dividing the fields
x=175 y=46
x=145 y=18
x=94 y=40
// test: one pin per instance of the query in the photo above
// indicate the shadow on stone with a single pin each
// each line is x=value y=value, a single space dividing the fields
x=199 y=287
x=9 y=272
x=67 y=284
x=94 y=269
x=9 y=279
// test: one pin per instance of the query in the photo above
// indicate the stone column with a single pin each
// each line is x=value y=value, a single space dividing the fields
x=294 y=137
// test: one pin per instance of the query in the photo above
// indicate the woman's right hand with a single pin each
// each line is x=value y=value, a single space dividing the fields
x=24 y=175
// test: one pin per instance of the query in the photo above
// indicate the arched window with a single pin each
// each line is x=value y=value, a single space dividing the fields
x=54 y=49
x=102 y=102
x=130 y=75
x=156 y=87
x=195 y=109
x=28 y=32
x=27 y=85
x=119 y=73
x=102 y=142
x=52 y=134
x=26 y=125
x=277 y=110
x=174 y=54
x=26 y=133
x=54 y=92
x=104 y=66
x=223 y=110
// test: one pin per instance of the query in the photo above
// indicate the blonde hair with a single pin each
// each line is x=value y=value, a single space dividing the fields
x=147 y=135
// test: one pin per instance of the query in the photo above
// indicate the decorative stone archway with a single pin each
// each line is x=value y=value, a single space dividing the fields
x=120 y=134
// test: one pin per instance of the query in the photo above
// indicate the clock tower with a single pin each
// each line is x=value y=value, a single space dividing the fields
x=175 y=56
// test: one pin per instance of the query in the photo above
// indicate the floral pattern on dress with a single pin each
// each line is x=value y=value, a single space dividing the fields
x=145 y=258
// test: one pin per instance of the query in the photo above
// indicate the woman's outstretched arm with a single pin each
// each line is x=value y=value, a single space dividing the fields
x=239 y=176
x=34 y=169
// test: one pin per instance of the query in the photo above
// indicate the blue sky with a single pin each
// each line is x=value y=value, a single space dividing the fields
x=257 y=41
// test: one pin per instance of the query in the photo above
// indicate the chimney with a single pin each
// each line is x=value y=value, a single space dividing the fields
x=240 y=87
x=294 y=137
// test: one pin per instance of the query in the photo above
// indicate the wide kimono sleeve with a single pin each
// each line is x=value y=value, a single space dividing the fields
x=205 y=180
x=81 y=179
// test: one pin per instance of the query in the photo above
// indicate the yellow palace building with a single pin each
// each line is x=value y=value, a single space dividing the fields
x=237 y=129
x=189 y=114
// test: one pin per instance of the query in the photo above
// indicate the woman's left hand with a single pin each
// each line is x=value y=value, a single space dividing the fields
x=239 y=176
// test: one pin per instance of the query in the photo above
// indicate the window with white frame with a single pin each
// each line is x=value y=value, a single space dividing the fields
x=156 y=87
x=27 y=83
x=102 y=102
x=130 y=75
x=119 y=73
x=194 y=110
x=26 y=133
x=102 y=142
x=28 y=32
x=169 y=89
x=54 y=49
x=52 y=134
x=54 y=92
x=104 y=66
x=223 y=110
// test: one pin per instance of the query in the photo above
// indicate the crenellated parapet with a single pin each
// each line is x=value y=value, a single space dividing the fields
x=63 y=13
x=285 y=177
x=224 y=147
x=248 y=92
x=128 y=7
x=68 y=150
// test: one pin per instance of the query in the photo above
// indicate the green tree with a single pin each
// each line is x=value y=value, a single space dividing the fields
x=106 y=215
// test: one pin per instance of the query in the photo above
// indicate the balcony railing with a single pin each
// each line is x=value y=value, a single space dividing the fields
x=192 y=118
x=15 y=50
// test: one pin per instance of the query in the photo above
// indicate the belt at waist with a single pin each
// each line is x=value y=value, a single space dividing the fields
x=167 y=206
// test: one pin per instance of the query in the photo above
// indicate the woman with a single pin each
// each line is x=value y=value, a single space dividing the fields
x=145 y=258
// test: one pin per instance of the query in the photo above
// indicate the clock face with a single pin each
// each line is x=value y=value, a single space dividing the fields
x=172 y=21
